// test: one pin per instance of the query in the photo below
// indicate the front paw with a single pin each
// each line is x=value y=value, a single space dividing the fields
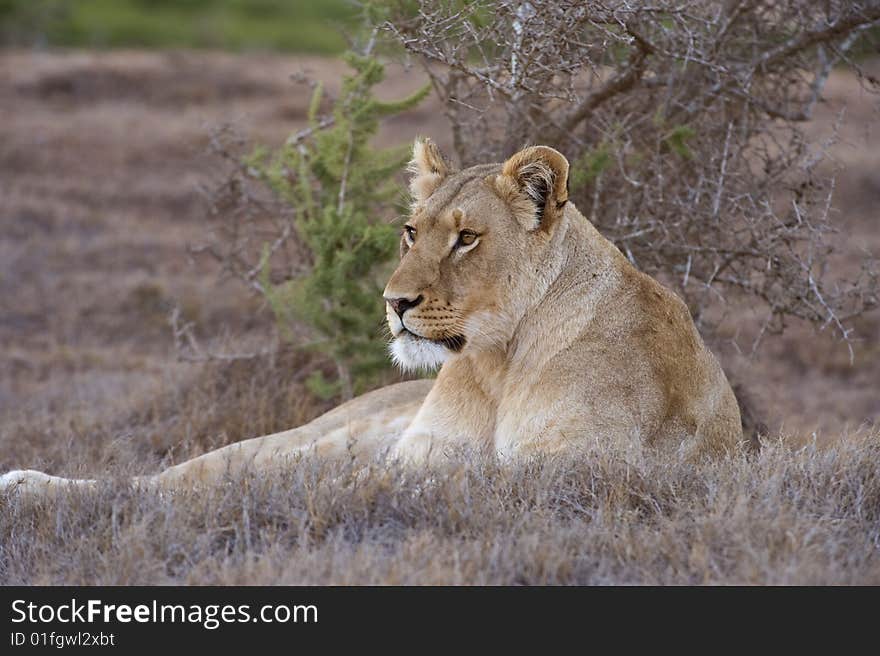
x=415 y=449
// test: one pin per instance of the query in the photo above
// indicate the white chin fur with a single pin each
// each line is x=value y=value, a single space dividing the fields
x=414 y=354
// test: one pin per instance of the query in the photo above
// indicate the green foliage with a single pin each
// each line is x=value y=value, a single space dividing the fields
x=338 y=184
x=677 y=139
x=295 y=26
x=590 y=166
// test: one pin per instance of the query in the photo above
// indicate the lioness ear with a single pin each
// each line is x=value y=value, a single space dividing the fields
x=428 y=168
x=541 y=174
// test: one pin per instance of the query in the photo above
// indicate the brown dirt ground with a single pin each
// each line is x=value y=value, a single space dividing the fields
x=102 y=161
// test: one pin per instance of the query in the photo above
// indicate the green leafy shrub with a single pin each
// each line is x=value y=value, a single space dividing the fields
x=333 y=187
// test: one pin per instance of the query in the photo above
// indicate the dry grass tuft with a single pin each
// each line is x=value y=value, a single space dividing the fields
x=193 y=409
x=790 y=516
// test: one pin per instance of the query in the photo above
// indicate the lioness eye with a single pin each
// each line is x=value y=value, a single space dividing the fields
x=410 y=233
x=466 y=238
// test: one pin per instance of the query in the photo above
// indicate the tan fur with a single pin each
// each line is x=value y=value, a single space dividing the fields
x=549 y=339
x=427 y=169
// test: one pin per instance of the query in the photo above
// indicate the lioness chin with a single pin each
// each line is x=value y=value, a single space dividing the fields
x=547 y=338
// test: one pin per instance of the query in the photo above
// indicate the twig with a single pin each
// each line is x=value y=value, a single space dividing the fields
x=621 y=82
x=841 y=27
x=189 y=350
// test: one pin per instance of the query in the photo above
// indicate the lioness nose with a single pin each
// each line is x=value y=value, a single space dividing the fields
x=401 y=305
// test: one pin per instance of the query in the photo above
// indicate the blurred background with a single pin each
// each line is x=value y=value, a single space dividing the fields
x=109 y=165
x=301 y=26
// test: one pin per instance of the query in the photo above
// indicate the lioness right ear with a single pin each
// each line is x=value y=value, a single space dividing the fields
x=428 y=169
x=540 y=174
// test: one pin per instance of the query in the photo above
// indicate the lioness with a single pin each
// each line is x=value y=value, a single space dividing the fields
x=546 y=335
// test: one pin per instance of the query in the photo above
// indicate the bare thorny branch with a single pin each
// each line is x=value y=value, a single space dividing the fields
x=684 y=119
x=189 y=349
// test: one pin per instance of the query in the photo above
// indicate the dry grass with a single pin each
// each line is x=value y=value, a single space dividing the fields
x=804 y=516
x=186 y=415
x=797 y=514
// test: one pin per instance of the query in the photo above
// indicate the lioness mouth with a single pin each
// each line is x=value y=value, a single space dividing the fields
x=454 y=343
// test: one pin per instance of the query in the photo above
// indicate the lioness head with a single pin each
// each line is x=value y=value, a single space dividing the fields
x=472 y=252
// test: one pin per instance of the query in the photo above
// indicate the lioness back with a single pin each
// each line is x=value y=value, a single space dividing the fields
x=695 y=404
